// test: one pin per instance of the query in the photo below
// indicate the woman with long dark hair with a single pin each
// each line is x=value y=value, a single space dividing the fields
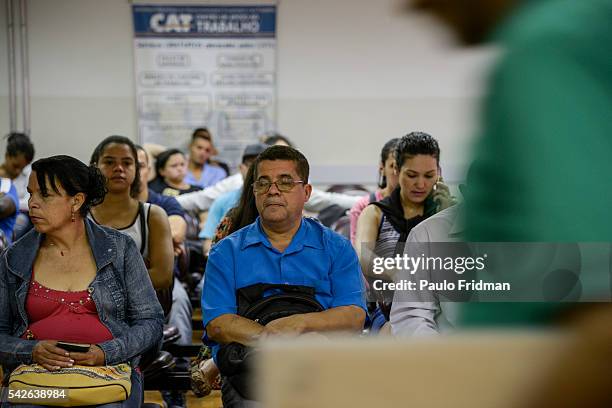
x=383 y=226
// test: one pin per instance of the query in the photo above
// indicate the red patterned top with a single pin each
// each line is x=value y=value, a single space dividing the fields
x=63 y=315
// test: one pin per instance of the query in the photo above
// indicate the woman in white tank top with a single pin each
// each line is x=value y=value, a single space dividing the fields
x=146 y=224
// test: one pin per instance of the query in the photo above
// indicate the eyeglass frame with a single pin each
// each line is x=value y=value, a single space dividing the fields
x=293 y=183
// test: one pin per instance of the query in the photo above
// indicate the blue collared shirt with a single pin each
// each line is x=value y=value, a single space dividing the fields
x=210 y=176
x=316 y=257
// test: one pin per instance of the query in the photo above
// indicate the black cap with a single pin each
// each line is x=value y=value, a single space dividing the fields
x=254 y=150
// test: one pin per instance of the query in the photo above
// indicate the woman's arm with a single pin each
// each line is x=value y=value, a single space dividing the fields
x=367 y=233
x=161 y=252
x=13 y=350
x=144 y=314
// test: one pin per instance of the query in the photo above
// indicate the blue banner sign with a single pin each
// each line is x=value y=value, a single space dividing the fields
x=204 y=21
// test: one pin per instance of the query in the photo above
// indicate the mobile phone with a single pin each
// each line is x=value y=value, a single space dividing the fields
x=74 y=347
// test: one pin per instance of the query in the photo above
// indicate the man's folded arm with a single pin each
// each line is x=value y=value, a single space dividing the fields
x=229 y=328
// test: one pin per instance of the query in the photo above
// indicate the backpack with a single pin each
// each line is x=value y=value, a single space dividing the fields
x=235 y=360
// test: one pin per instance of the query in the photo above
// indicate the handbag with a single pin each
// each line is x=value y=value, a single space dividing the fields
x=76 y=385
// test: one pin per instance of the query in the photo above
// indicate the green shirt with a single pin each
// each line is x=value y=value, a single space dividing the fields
x=543 y=165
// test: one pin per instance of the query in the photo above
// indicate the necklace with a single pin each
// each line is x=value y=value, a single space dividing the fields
x=51 y=244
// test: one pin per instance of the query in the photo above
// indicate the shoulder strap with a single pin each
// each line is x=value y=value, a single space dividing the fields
x=373 y=197
x=143 y=227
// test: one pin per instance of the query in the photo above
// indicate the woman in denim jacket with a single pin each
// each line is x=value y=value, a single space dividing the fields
x=74 y=281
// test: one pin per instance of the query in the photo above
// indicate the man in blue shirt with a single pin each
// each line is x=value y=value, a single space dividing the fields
x=281 y=247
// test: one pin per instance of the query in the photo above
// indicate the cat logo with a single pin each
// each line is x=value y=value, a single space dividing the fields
x=178 y=23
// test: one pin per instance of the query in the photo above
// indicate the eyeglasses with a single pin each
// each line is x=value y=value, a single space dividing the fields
x=283 y=185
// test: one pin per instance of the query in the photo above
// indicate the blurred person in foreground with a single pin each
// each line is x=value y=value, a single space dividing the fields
x=546 y=139
x=546 y=126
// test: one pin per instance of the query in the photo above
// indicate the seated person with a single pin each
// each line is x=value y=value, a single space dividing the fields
x=387 y=183
x=171 y=168
x=16 y=166
x=228 y=200
x=173 y=209
x=9 y=203
x=74 y=275
x=202 y=171
x=181 y=310
x=421 y=312
x=311 y=255
x=146 y=224
x=383 y=226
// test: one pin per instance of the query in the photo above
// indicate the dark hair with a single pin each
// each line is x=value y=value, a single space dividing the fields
x=139 y=147
x=273 y=138
x=202 y=133
x=97 y=154
x=162 y=159
x=388 y=148
x=74 y=176
x=245 y=211
x=415 y=143
x=279 y=152
x=19 y=143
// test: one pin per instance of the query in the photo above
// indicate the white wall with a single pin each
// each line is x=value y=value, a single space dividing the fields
x=351 y=75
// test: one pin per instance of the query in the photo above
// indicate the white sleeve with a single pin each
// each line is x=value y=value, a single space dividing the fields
x=320 y=199
x=21 y=184
x=414 y=318
x=202 y=200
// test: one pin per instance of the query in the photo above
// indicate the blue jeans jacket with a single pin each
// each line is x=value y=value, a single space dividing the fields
x=122 y=292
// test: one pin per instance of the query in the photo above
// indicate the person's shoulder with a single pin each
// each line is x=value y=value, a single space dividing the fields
x=156 y=213
x=103 y=232
x=168 y=203
x=566 y=23
x=432 y=227
x=156 y=185
x=371 y=211
x=216 y=168
x=361 y=204
x=223 y=198
x=232 y=243
x=192 y=188
x=329 y=238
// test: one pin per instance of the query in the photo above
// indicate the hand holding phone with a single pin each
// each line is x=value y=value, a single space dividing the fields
x=73 y=347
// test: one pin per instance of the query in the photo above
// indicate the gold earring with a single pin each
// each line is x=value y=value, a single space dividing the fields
x=73 y=217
